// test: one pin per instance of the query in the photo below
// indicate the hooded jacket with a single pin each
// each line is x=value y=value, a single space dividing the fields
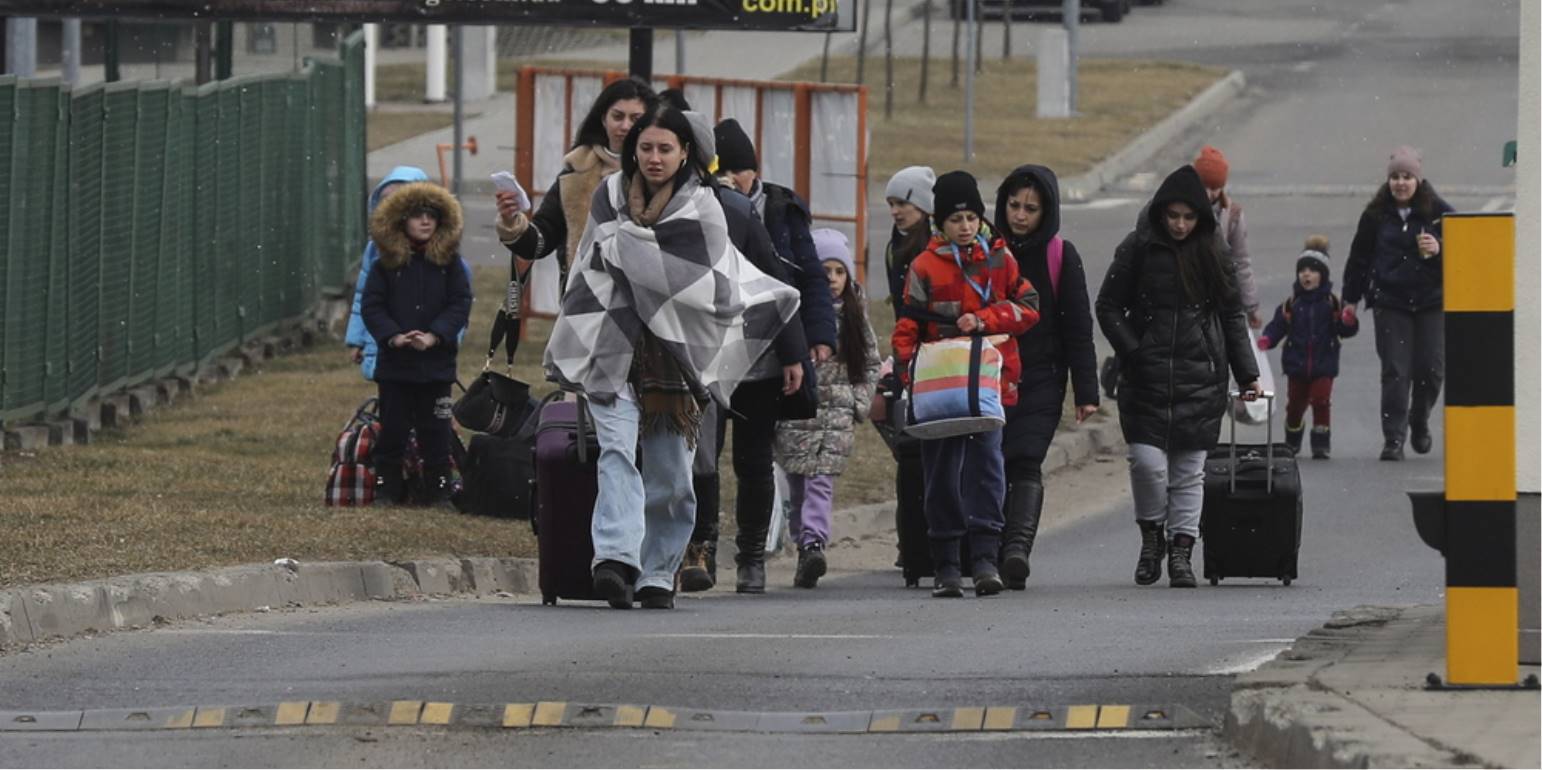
x=1174 y=352
x=787 y=220
x=357 y=336
x=413 y=287
x=1310 y=324
x=1063 y=335
x=1384 y=263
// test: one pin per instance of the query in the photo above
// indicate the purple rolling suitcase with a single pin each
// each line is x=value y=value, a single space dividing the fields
x=566 y=484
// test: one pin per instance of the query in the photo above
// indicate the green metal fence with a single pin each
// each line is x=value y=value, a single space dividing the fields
x=148 y=227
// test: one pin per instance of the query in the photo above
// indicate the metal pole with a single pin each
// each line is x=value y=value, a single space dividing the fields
x=679 y=52
x=459 y=46
x=203 y=55
x=71 y=51
x=969 y=81
x=224 y=49
x=640 y=53
x=1071 y=14
x=21 y=46
x=433 y=88
x=371 y=56
x=110 y=53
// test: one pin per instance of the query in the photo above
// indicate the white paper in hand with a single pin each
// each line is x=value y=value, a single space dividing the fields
x=504 y=180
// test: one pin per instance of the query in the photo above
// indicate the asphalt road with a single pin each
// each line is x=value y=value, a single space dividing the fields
x=1329 y=95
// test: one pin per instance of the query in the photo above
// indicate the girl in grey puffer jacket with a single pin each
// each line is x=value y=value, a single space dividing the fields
x=813 y=452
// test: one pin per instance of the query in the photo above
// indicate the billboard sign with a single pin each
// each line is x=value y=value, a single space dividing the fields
x=771 y=15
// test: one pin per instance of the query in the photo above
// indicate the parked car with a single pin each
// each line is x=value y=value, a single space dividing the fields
x=1108 y=10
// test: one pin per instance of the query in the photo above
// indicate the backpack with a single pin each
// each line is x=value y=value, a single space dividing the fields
x=351 y=480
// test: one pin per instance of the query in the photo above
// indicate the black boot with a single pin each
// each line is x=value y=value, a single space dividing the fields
x=752 y=573
x=694 y=575
x=437 y=485
x=1392 y=451
x=811 y=565
x=1180 y=568
x=1025 y=502
x=1421 y=439
x=1148 y=569
x=613 y=583
x=950 y=579
x=983 y=547
x=1293 y=436
x=653 y=598
x=1322 y=442
x=389 y=484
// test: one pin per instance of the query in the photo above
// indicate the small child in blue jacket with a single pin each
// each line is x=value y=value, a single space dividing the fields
x=1310 y=324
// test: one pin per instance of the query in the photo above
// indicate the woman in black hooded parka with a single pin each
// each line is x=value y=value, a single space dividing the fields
x=1170 y=308
x=1028 y=217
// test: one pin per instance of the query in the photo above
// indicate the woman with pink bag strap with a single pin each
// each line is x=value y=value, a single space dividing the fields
x=1060 y=345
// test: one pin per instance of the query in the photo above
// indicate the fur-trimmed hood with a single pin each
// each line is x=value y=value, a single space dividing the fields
x=385 y=225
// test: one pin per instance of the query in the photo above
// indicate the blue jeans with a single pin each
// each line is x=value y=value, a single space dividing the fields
x=642 y=519
x=965 y=485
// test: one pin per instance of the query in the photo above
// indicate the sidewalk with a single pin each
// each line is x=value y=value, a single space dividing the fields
x=1352 y=694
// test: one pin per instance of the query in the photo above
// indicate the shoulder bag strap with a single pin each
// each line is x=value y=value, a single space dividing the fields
x=1055 y=256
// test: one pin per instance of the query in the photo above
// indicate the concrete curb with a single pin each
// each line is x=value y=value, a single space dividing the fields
x=1283 y=716
x=45 y=612
x=1138 y=152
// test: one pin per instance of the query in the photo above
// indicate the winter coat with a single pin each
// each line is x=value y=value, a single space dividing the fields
x=820 y=446
x=903 y=248
x=750 y=238
x=357 y=336
x=936 y=285
x=558 y=224
x=787 y=220
x=1310 y=324
x=1173 y=353
x=416 y=288
x=1385 y=267
x=1063 y=335
x=1231 y=234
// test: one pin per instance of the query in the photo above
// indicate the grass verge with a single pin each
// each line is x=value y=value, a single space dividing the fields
x=1118 y=100
x=383 y=129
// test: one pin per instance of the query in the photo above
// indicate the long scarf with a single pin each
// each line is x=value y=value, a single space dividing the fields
x=678 y=289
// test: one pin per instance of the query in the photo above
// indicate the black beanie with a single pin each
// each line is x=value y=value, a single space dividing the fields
x=953 y=192
x=735 y=151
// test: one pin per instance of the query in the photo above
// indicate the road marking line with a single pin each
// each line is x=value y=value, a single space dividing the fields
x=630 y=716
x=1113 y=717
x=1098 y=204
x=1000 y=718
x=1494 y=204
x=180 y=720
x=404 y=712
x=291 y=712
x=767 y=636
x=659 y=718
x=323 y=712
x=209 y=717
x=518 y=714
x=436 y=713
x=1081 y=718
x=549 y=713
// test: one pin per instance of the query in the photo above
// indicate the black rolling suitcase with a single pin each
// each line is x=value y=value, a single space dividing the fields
x=1251 y=520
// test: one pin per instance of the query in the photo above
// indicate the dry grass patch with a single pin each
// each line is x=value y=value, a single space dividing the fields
x=383 y=129
x=234 y=476
x=1118 y=99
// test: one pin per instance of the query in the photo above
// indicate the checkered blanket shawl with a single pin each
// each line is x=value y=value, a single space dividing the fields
x=682 y=279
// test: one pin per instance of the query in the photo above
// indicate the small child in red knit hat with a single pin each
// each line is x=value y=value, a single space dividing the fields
x=1310 y=324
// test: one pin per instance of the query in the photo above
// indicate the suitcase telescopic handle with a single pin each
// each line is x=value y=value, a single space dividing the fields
x=1268 y=397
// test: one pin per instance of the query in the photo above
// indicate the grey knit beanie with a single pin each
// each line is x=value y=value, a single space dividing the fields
x=914 y=185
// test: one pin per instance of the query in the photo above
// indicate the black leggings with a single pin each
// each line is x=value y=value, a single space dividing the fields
x=754 y=432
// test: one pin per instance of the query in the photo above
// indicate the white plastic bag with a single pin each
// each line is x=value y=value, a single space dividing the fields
x=781 y=505
x=1254 y=412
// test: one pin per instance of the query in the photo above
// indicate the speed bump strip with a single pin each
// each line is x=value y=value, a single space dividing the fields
x=436 y=713
x=209 y=716
x=39 y=721
x=518 y=714
x=404 y=712
x=1137 y=716
x=1081 y=718
x=549 y=714
x=291 y=713
x=1112 y=717
x=323 y=712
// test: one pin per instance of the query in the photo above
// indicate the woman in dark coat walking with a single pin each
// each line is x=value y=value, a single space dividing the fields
x=1060 y=344
x=1169 y=307
x=1395 y=265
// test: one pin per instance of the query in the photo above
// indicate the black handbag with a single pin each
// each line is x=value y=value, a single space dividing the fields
x=804 y=404
x=497 y=403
